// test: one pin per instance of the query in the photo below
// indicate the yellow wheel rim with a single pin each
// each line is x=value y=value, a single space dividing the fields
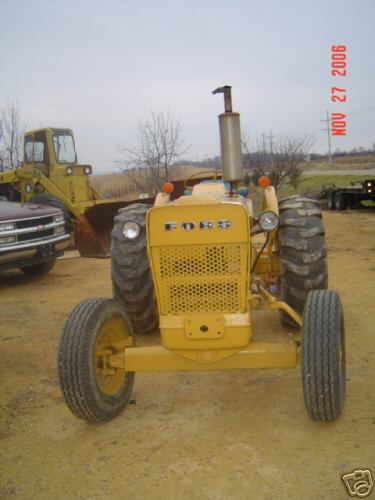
x=111 y=339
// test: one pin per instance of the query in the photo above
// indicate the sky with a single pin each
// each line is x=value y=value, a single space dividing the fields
x=100 y=68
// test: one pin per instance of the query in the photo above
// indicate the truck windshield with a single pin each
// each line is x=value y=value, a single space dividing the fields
x=63 y=145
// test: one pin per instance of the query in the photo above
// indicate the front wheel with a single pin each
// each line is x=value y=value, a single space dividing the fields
x=323 y=356
x=38 y=269
x=92 y=388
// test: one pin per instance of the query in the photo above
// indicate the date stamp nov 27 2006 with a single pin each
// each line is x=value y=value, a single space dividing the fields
x=338 y=91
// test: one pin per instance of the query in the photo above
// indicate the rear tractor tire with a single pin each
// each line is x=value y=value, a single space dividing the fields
x=323 y=356
x=93 y=390
x=131 y=276
x=301 y=242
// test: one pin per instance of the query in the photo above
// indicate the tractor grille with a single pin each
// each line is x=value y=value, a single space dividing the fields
x=199 y=279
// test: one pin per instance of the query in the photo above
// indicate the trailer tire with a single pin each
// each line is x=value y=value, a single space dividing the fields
x=302 y=250
x=132 y=283
x=331 y=201
x=323 y=356
x=340 y=201
x=46 y=199
x=91 y=390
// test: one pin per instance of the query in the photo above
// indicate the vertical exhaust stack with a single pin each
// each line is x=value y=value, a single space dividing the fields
x=230 y=139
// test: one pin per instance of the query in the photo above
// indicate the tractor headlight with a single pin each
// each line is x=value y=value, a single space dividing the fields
x=69 y=170
x=131 y=230
x=268 y=220
x=87 y=170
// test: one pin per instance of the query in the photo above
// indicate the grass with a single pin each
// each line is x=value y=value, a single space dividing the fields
x=120 y=184
x=342 y=163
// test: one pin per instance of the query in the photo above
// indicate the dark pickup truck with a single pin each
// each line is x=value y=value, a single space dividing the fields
x=32 y=236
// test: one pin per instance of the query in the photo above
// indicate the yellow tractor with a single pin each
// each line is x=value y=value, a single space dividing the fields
x=51 y=175
x=197 y=268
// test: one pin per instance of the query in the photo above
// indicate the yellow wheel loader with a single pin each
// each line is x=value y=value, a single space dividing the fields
x=197 y=268
x=51 y=175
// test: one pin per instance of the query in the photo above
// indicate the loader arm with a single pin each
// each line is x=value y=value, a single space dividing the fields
x=8 y=177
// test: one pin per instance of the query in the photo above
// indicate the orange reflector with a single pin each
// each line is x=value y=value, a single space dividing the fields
x=264 y=181
x=168 y=187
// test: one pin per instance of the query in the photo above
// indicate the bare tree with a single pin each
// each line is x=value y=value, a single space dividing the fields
x=159 y=144
x=11 y=133
x=281 y=164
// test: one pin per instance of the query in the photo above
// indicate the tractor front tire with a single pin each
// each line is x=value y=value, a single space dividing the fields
x=93 y=390
x=302 y=249
x=323 y=356
x=131 y=276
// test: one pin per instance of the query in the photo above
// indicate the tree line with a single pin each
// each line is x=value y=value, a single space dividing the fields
x=160 y=146
x=11 y=135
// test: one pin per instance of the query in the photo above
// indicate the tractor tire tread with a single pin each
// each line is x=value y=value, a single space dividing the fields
x=302 y=249
x=73 y=380
x=132 y=283
x=323 y=383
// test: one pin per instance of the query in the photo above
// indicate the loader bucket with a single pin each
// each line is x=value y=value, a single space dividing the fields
x=93 y=229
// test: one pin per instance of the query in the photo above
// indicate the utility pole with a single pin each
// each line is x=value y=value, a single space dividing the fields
x=271 y=142
x=271 y=146
x=263 y=142
x=328 y=130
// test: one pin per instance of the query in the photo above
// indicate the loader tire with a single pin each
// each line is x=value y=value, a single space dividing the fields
x=323 y=356
x=132 y=283
x=302 y=250
x=46 y=199
x=93 y=390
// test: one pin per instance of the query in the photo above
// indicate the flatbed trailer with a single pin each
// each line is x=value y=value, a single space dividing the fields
x=341 y=198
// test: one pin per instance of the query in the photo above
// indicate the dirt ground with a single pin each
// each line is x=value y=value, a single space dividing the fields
x=218 y=435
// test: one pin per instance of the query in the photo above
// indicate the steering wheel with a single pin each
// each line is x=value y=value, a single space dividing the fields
x=213 y=173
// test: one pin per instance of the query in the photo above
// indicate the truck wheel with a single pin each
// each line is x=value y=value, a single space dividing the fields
x=93 y=390
x=323 y=356
x=340 y=201
x=302 y=252
x=45 y=199
x=38 y=269
x=131 y=276
x=331 y=201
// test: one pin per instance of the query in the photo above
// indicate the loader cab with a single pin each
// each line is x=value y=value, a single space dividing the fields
x=51 y=151
x=46 y=149
x=36 y=152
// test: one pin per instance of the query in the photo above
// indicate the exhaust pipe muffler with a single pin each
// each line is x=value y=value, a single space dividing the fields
x=230 y=139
